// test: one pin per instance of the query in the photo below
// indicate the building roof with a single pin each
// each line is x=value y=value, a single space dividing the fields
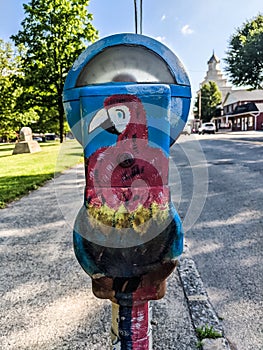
x=259 y=106
x=243 y=96
x=213 y=58
x=246 y=107
x=249 y=108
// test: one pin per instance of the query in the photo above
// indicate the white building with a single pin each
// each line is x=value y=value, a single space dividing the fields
x=214 y=74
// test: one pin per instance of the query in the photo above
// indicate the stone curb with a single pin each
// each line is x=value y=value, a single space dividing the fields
x=201 y=310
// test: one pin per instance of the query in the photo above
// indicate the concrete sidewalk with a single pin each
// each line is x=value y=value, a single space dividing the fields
x=46 y=298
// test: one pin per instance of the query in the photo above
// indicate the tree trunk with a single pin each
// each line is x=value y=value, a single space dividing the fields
x=61 y=119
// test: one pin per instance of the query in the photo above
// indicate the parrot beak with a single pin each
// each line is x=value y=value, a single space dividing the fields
x=100 y=119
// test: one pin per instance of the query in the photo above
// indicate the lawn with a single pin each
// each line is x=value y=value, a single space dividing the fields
x=22 y=173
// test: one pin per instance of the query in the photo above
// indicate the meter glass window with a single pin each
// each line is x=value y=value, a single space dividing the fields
x=123 y=63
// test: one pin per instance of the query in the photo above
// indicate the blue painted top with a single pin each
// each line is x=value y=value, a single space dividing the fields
x=172 y=61
x=167 y=62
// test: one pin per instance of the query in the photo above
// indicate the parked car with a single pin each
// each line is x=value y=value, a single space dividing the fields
x=207 y=128
x=50 y=136
x=37 y=138
x=186 y=130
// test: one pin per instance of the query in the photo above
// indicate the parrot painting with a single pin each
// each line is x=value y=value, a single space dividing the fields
x=127 y=202
x=132 y=171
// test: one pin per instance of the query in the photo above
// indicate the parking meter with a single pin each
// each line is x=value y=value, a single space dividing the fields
x=127 y=98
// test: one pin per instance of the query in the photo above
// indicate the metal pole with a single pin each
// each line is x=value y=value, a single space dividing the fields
x=131 y=329
x=199 y=103
x=136 y=16
x=140 y=16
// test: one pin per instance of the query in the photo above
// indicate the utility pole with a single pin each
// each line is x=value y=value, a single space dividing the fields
x=199 y=102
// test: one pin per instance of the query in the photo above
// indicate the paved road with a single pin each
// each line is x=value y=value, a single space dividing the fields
x=226 y=240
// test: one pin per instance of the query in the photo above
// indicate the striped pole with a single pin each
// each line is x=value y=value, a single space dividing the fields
x=131 y=329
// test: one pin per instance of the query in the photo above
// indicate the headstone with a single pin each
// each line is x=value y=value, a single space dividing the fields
x=26 y=143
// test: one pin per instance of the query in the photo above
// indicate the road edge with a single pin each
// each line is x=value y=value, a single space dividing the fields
x=200 y=308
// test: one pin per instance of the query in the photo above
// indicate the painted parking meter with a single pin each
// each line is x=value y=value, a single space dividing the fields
x=127 y=99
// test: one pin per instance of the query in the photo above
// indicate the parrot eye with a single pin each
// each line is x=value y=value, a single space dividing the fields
x=120 y=114
x=120 y=117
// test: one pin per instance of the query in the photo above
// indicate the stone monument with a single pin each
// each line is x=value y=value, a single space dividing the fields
x=26 y=143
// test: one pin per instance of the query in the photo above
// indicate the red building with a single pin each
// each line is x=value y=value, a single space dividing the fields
x=242 y=111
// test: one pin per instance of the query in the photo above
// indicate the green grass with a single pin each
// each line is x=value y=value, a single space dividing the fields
x=207 y=332
x=22 y=173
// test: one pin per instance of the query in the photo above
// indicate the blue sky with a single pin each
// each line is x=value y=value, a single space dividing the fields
x=191 y=28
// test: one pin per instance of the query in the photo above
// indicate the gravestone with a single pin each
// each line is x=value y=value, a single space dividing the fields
x=26 y=143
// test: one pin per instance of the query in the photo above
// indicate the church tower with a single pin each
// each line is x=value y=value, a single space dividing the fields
x=214 y=74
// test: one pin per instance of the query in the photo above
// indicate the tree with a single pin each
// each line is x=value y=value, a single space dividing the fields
x=245 y=54
x=7 y=100
x=211 y=97
x=54 y=33
x=11 y=120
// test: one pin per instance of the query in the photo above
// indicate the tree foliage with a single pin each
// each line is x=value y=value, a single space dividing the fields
x=6 y=95
x=245 y=54
x=11 y=120
x=53 y=34
x=211 y=97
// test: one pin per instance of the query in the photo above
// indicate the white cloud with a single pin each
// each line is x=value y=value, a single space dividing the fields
x=186 y=30
x=163 y=17
x=161 y=39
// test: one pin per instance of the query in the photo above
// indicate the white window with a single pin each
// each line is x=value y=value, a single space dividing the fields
x=250 y=121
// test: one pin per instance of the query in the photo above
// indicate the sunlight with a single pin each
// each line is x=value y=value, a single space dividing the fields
x=54 y=321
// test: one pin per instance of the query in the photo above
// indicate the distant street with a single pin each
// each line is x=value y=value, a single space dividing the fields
x=226 y=240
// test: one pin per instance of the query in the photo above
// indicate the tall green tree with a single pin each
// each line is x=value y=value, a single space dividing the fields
x=245 y=54
x=209 y=97
x=53 y=34
x=7 y=99
x=11 y=120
